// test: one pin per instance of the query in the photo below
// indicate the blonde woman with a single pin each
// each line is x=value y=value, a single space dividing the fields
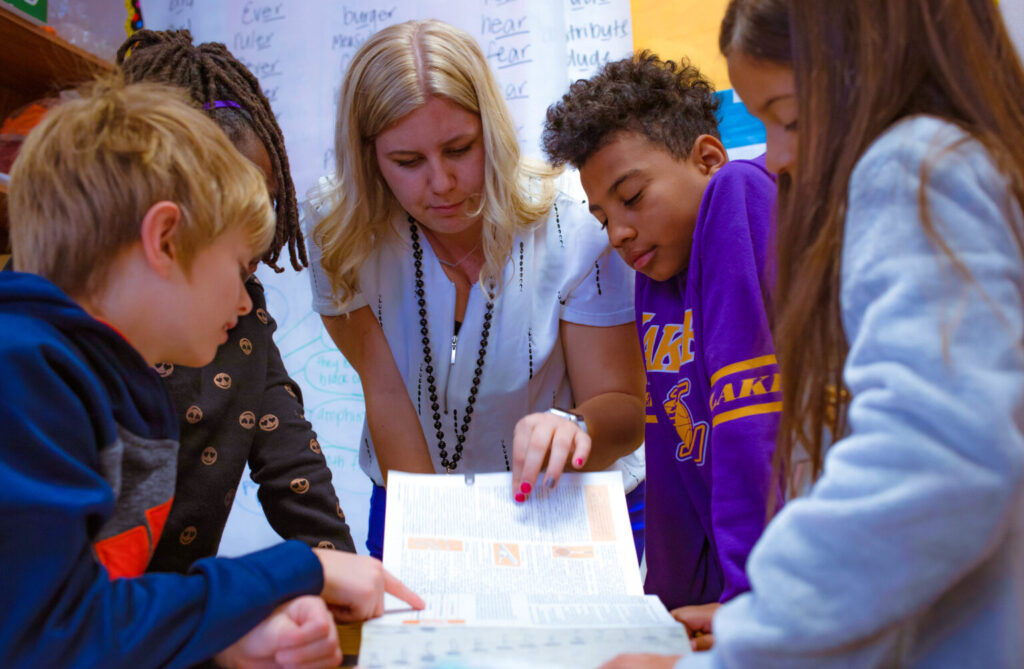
x=490 y=324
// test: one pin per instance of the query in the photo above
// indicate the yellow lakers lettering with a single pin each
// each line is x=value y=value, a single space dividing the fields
x=668 y=347
x=650 y=417
x=749 y=387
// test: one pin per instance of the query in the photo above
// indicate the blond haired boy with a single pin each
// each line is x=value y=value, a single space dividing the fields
x=133 y=223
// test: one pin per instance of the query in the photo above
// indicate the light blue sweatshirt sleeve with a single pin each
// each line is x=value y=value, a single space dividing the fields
x=899 y=554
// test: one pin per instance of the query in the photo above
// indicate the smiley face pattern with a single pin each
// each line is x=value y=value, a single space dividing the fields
x=242 y=408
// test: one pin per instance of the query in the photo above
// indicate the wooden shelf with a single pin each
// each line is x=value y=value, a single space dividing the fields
x=35 y=63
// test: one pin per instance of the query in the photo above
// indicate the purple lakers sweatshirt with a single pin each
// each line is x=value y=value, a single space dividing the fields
x=713 y=395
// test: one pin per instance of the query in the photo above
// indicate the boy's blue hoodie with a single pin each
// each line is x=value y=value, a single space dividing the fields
x=87 y=453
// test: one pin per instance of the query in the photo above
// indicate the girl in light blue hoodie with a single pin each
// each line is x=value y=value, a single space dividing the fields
x=900 y=326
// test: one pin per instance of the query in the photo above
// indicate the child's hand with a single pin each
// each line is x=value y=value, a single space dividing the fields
x=299 y=634
x=543 y=437
x=354 y=585
x=697 y=620
x=641 y=661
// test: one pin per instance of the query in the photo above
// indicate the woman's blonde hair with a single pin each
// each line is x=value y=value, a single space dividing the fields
x=89 y=172
x=394 y=73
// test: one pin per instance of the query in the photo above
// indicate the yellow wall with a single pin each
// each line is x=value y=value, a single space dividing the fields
x=682 y=28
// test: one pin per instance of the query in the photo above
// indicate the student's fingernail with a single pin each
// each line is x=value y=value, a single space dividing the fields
x=550 y=482
x=520 y=497
x=579 y=462
x=526 y=488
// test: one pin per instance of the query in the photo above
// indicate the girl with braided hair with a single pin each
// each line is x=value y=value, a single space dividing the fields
x=232 y=96
x=242 y=407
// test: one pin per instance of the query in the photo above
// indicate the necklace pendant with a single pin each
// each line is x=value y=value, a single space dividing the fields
x=447 y=470
x=455 y=343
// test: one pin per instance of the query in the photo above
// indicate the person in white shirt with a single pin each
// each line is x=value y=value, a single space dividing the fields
x=489 y=321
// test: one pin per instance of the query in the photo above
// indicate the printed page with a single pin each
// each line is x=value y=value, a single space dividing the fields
x=553 y=582
x=578 y=646
x=446 y=537
x=542 y=611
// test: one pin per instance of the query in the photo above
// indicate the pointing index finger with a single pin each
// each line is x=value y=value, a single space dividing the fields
x=398 y=589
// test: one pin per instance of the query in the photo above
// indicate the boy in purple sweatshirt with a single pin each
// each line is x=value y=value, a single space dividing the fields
x=696 y=227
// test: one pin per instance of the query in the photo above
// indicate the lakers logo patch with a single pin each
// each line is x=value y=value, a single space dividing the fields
x=692 y=436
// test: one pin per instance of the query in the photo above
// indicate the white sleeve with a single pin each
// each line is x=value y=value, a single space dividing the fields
x=599 y=287
x=312 y=211
x=915 y=504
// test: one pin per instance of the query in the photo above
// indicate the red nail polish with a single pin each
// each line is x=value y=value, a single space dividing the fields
x=526 y=488
x=579 y=462
x=520 y=497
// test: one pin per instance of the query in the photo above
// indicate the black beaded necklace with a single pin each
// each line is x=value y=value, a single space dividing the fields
x=428 y=359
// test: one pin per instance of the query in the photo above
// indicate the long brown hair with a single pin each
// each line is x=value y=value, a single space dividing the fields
x=860 y=66
x=757 y=28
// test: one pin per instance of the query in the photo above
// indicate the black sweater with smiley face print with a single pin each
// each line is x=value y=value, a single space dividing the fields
x=243 y=408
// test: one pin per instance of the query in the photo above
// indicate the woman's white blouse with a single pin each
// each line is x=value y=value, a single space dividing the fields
x=563 y=269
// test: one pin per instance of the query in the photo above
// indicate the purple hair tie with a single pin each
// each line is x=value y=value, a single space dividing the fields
x=217 y=104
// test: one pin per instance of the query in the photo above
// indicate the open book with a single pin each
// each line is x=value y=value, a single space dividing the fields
x=553 y=582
